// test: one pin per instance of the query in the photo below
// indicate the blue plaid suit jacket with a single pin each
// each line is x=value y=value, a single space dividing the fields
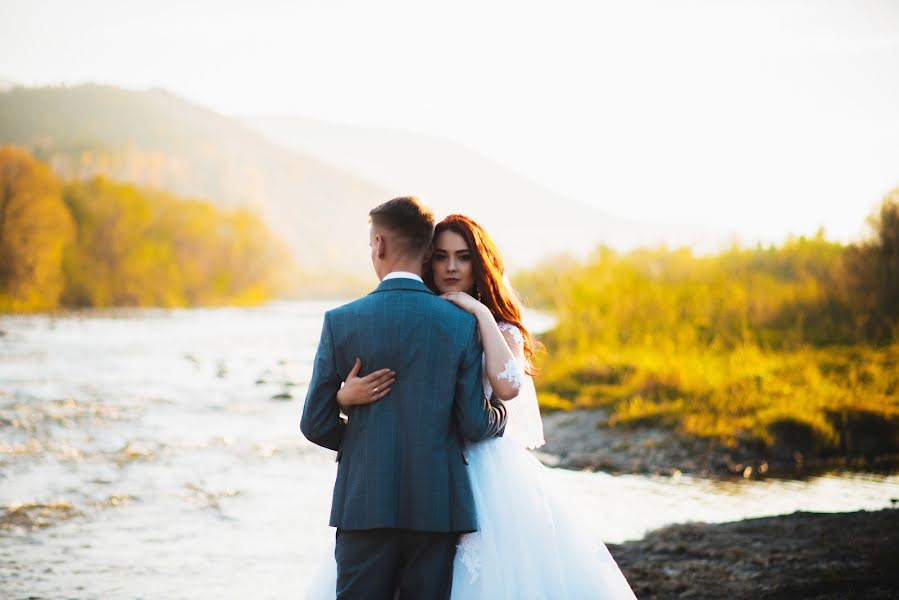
x=401 y=462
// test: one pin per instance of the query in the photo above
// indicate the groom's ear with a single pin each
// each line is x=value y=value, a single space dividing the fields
x=380 y=245
x=429 y=252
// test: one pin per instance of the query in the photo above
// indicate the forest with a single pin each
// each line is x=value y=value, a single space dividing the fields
x=102 y=243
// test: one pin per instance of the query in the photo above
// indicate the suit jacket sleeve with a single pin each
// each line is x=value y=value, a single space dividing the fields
x=477 y=418
x=321 y=423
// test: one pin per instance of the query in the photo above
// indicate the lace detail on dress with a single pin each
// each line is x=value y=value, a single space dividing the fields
x=469 y=548
x=513 y=330
x=523 y=423
x=512 y=373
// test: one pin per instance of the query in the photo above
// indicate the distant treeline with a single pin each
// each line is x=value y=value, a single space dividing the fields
x=101 y=243
x=806 y=291
x=788 y=346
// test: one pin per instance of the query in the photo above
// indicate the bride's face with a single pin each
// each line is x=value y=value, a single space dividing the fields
x=451 y=263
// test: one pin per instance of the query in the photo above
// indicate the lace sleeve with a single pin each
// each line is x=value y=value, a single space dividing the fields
x=523 y=423
x=517 y=365
x=514 y=333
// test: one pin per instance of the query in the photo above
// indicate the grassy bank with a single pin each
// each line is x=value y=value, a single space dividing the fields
x=779 y=350
x=817 y=401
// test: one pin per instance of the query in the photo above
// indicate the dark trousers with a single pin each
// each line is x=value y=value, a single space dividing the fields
x=376 y=564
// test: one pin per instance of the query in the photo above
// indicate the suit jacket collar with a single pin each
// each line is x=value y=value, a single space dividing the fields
x=402 y=283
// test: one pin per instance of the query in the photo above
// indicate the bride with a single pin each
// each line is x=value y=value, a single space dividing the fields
x=529 y=545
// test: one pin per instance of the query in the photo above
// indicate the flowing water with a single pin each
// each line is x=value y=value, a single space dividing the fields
x=157 y=454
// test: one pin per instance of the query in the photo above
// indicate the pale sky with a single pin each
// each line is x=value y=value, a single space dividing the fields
x=760 y=117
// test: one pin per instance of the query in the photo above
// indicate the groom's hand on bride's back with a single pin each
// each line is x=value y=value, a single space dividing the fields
x=365 y=390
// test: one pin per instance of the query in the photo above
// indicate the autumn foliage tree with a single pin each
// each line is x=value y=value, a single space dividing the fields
x=872 y=276
x=35 y=227
x=101 y=243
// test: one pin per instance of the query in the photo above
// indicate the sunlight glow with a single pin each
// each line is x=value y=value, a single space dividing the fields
x=757 y=118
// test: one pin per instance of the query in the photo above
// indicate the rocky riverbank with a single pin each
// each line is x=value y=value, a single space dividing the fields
x=581 y=439
x=802 y=555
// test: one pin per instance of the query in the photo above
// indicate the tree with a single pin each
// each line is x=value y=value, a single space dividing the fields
x=35 y=227
x=121 y=259
x=874 y=273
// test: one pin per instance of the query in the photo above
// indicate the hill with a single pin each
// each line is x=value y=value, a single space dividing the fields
x=313 y=182
x=153 y=138
x=527 y=220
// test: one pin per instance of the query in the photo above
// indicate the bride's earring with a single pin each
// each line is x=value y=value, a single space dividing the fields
x=477 y=292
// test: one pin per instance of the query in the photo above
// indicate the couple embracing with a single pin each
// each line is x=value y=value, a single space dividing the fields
x=436 y=494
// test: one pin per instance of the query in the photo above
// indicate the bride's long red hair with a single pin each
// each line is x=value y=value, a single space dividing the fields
x=487 y=270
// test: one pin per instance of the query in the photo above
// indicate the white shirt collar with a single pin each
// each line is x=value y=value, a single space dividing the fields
x=398 y=274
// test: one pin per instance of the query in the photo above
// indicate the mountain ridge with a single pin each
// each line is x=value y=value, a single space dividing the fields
x=527 y=220
x=312 y=181
x=155 y=138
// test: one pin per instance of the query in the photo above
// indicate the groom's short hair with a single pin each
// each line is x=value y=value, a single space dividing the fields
x=409 y=220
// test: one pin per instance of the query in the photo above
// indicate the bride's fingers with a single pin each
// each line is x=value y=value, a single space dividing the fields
x=382 y=381
x=381 y=384
x=380 y=373
x=380 y=390
x=381 y=393
x=354 y=372
x=455 y=297
x=377 y=378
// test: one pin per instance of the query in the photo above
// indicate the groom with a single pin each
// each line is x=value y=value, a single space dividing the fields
x=402 y=495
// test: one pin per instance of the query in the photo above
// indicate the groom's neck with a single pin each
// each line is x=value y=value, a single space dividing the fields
x=403 y=264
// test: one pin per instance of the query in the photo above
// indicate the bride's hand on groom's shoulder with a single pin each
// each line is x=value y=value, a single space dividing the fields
x=365 y=390
x=464 y=301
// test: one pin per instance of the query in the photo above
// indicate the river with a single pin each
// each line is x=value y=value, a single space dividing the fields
x=157 y=454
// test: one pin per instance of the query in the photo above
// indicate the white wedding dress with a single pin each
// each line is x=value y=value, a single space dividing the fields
x=529 y=544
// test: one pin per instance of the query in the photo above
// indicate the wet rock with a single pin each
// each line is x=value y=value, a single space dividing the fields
x=115 y=501
x=578 y=443
x=209 y=498
x=131 y=452
x=35 y=515
x=866 y=433
x=802 y=555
